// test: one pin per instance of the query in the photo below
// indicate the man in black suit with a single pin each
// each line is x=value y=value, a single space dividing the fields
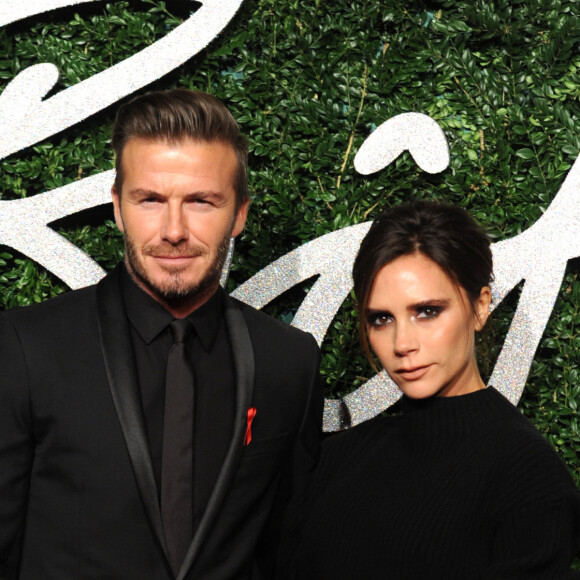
x=97 y=480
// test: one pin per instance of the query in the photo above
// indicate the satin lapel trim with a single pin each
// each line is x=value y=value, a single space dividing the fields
x=121 y=370
x=244 y=367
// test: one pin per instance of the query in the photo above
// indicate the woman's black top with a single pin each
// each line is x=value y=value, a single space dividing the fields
x=453 y=488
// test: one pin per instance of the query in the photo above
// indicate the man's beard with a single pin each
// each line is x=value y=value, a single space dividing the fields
x=175 y=290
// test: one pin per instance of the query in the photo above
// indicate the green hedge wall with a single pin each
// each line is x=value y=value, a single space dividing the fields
x=308 y=81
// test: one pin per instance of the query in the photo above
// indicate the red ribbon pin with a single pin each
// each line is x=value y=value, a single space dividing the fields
x=251 y=414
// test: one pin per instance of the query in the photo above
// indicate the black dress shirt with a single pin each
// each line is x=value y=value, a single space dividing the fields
x=211 y=355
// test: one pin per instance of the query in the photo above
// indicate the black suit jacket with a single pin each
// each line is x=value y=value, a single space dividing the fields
x=77 y=493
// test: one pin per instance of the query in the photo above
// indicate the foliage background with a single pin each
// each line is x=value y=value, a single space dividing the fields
x=308 y=82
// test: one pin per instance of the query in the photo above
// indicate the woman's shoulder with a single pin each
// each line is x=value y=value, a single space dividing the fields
x=348 y=447
x=515 y=433
x=360 y=434
x=527 y=467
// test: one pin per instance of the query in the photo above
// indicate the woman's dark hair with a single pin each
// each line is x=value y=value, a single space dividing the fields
x=179 y=115
x=446 y=234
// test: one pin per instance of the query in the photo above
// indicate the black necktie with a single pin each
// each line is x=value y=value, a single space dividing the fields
x=177 y=458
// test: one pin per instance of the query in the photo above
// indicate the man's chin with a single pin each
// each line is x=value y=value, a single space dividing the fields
x=175 y=290
x=176 y=295
x=175 y=287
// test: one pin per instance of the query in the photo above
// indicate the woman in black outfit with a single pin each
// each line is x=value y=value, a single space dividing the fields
x=460 y=485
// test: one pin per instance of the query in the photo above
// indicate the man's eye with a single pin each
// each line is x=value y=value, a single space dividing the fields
x=379 y=319
x=199 y=202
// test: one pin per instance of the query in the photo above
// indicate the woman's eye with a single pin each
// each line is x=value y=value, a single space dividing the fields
x=379 y=319
x=428 y=312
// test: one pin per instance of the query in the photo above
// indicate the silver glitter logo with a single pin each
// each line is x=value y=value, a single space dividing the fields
x=539 y=255
x=27 y=118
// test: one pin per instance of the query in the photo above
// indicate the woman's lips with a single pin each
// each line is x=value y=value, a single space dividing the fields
x=413 y=373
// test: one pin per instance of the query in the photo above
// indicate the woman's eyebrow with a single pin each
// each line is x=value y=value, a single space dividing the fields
x=433 y=302
x=372 y=311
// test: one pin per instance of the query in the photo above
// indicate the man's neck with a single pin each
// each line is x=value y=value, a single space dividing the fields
x=180 y=307
x=185 y=307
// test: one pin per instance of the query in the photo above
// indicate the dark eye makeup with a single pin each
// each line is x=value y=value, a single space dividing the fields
x=423 y=311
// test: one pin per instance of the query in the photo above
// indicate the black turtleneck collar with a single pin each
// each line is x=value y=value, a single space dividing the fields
x=434 y=417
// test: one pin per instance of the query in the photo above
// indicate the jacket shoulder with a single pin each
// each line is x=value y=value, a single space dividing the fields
x=65 y=305
x=259 y=322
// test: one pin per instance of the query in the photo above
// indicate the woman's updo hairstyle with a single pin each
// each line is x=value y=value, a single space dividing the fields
x=444 y=233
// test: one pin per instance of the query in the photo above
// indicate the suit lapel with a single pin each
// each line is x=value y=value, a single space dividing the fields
x=122 y=373
x=244 y=367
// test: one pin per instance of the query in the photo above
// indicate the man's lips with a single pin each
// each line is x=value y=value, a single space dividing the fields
x=174 y=260
x=174 y=257
x=413 y=373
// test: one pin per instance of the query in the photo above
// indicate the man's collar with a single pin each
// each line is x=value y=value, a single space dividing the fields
x=150 y=318
x=208 y=318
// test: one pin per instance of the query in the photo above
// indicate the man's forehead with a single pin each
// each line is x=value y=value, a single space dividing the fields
x=176 y=142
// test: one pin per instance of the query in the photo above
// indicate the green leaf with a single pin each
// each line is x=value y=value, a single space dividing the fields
x=525 y=153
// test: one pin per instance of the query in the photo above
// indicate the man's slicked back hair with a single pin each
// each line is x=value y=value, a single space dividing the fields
x=180 y=115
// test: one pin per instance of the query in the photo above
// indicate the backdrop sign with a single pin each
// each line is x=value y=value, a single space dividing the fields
x=537 y=256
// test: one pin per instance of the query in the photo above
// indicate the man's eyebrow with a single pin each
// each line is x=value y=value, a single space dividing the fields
x=205 y=193
x=138 y=191
x=143 y=192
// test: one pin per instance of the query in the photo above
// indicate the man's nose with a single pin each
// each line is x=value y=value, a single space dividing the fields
x=175 y=227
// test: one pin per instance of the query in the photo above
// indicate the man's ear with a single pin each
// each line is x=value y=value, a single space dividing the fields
x=481 y=307
x=117 y=209
x=241 y=217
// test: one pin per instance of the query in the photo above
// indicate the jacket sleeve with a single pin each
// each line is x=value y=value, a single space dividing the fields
x=16 y=445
